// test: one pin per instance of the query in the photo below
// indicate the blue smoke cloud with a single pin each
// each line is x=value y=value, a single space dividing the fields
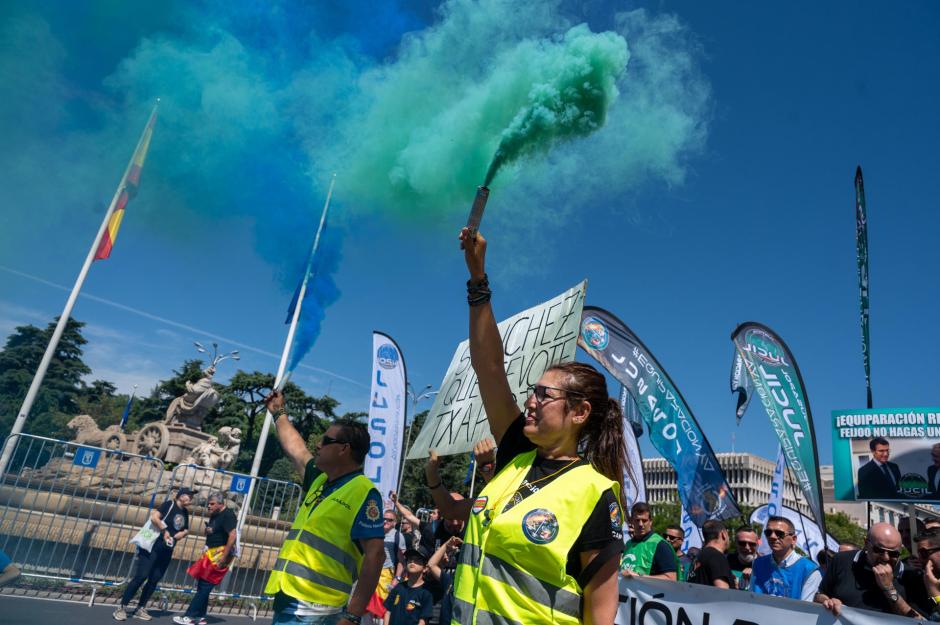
x=262 y=100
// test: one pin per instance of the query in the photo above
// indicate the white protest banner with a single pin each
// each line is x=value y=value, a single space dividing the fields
x=693 y=536
x=775 y=502
x=645 y=601
x=386 y=414
x=532 y=341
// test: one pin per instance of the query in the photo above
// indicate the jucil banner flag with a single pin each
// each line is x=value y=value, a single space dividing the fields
x=861 y=247
x=740 y=384
x=673 y=430
x=779 y=386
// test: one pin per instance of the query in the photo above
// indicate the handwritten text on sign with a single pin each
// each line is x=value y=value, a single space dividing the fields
x=532 y=341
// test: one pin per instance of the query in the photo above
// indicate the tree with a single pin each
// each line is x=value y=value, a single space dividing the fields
x=100 y=401
x=414 y=492
x=243 y=399
x=58 y=396
x=844 y=529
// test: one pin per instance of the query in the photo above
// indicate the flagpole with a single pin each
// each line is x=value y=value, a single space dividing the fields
x=279 y=379
x=127 y=409
x=67 y=311
x=473 y=477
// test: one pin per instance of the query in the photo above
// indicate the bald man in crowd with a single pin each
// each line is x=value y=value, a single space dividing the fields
x=868 y=578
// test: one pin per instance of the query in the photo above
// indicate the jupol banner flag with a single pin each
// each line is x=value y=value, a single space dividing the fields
x=775 y=501
x=673 y=430
x=779 y=386
x=532 y=341
x=386 y=414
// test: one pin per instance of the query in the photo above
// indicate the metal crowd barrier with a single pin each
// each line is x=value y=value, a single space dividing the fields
x=270 y=514
x=67 y=511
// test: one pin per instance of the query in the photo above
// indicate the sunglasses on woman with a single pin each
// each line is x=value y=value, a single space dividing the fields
x=541 y=392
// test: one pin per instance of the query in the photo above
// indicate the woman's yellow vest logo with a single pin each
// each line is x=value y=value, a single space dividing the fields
x=540 y=526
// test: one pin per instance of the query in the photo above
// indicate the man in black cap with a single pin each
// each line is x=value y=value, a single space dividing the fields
x=410 y=603
x=171 y=519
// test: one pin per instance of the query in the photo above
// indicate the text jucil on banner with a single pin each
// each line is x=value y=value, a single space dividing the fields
x=533 y=340
x=887 y=454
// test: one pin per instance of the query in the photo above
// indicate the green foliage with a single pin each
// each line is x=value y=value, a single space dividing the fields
x=414 y=491
x=59 y=396
x=844 y=529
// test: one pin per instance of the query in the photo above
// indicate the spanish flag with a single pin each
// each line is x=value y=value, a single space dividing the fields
x=127 y=189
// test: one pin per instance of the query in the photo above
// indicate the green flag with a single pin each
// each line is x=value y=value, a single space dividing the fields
x=861 y=247
x=778 y=386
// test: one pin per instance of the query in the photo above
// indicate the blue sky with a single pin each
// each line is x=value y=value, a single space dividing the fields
x=720 y=191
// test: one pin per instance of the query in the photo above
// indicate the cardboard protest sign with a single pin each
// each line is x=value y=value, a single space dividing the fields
x=532 y=341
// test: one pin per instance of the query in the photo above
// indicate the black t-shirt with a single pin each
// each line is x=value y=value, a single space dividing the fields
x=176 y=521
x=736 y=564
x=598 y=530
x=711 y=565
x=427 y=530
x=407 y=605
x=850 y=579
x=220 y=524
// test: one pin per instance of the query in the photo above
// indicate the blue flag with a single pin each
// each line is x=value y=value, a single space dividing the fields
x=703 y=490
x=127 y=411
x=320 y=293
x=469 y=477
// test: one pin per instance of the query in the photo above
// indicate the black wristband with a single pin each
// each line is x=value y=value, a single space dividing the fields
x=352 y=618
x=435 y=486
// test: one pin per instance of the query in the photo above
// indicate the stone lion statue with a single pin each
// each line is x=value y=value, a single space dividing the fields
x=86 y=432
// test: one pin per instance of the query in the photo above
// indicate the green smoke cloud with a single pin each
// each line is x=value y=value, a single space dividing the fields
x=574 y=88
x=414 y=136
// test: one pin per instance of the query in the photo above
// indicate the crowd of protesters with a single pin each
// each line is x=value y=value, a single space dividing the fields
x=424 y=548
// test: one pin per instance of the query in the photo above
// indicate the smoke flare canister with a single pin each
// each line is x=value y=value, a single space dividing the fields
x=476 y=212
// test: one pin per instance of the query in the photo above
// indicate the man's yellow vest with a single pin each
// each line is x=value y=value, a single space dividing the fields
x=512 y=564
x=319 y=562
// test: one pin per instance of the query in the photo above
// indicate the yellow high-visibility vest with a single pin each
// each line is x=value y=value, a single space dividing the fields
x=512 y=564
x=319 y=562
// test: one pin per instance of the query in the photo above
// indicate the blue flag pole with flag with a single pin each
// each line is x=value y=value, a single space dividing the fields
x=127 y=408
x=283 y=370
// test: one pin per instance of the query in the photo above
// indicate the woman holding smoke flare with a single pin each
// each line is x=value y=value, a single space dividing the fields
x=544 y=537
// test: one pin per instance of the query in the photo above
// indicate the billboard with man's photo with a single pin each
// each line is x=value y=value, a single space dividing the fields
x=887 y=454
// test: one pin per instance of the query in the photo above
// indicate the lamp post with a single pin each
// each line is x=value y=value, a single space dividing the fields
x=415 y=399
x=216 y=359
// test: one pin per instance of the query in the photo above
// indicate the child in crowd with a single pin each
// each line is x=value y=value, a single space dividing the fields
x=410 y=603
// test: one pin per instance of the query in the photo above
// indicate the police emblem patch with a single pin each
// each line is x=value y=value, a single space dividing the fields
x=540 y=526
x=372 y=510
x=615 y=521
x=594 y=333
x=479 y=505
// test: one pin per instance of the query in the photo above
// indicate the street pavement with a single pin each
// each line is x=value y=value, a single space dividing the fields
x=17 y=610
